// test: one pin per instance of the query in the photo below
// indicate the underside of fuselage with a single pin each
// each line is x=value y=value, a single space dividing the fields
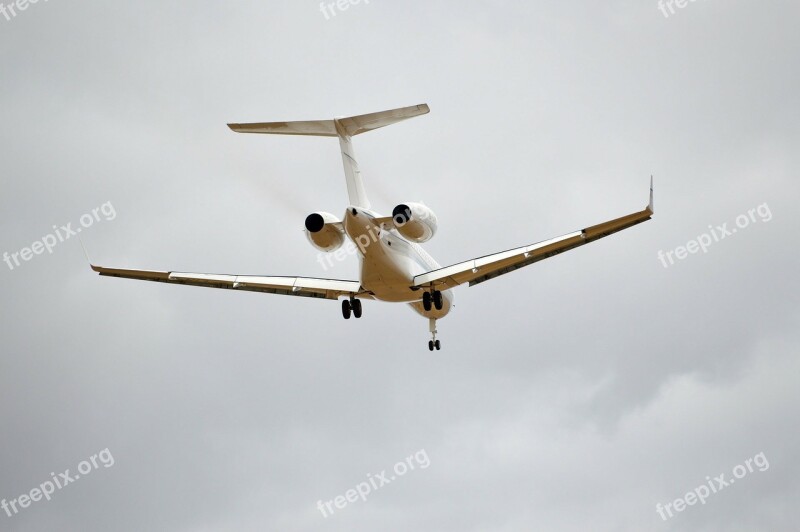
x=388 y=262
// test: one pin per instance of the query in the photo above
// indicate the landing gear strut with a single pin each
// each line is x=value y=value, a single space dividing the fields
x=433 y=343
x=351 y=305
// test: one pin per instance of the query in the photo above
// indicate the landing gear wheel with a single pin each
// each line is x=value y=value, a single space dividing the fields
x=346 y=309
x=437 y=300
x=437 y=344
x=426 y=301
x=356 y=304
x=430 y=345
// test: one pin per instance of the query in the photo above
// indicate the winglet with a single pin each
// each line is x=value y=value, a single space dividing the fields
x=86 y=253
x=650 y=206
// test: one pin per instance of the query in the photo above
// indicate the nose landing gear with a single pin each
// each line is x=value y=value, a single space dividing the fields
x=433 y=343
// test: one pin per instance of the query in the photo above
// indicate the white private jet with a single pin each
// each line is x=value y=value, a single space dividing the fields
x=393 y=266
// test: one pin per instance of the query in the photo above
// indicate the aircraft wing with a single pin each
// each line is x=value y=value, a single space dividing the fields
x=289 y=286
x=482 y=269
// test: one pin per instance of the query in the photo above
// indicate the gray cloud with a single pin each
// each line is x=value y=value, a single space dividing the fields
x=575 y=394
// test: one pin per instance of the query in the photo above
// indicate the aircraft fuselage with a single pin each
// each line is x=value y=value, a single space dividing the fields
x=389 y=262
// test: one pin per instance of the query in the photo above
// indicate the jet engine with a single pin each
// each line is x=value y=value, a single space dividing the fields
x=415 y=221
x=324 y=231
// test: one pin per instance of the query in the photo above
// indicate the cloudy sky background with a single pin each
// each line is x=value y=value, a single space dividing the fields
x=572 y=395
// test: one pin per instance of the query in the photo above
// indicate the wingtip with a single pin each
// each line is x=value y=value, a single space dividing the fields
x=86 y=254
x=650 y=205
x=98 y=269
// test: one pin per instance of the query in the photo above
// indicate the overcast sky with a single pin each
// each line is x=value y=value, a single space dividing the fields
x=575 y=394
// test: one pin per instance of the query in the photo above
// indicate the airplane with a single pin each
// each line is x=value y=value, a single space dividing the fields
x=393 y=266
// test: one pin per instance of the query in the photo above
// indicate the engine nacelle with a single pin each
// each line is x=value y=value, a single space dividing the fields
x=415 y=221
x=321 y=232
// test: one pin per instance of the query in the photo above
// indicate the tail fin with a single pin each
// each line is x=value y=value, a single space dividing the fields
x=344 y=128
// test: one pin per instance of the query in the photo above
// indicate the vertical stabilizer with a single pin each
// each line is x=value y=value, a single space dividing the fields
x=344 y=128
x=352 y=175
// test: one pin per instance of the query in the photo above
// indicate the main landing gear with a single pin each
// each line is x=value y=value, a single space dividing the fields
x=433 y=343
x=351 y=305
x=432 y=299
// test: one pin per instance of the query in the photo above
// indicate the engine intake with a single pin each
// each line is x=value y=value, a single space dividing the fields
x=322 y=232
x=415 y=221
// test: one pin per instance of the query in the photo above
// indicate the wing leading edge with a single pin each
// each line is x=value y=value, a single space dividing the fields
x=488 y=267
x=289 y=286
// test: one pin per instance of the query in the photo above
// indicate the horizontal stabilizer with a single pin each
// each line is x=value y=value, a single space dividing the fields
x=351 y=126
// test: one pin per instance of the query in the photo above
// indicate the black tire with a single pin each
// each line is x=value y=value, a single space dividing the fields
x=430 y=345
x=346 y=309
x=437 y=300
x=426 y=301
x=437 y=344
x=356 y=308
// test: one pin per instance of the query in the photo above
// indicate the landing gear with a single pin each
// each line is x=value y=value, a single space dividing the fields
x=433 y=343
x=432 y=299
x=351 y=306
x=437 y=300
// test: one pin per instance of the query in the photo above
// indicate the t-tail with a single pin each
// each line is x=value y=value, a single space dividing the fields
x=344 y=128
